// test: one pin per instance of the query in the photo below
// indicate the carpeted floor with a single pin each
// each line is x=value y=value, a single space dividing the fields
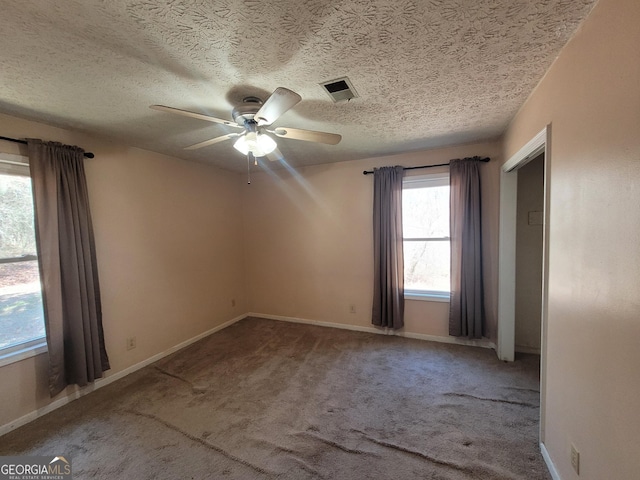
x=268 y=399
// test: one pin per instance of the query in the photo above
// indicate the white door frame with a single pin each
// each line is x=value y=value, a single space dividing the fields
x=541 y=143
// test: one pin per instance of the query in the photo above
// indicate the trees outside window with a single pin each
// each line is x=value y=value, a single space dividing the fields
x=21 y=317
x=425 y=222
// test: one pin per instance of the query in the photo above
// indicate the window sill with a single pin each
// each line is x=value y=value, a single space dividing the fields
x=10 y=355
x=427 y=297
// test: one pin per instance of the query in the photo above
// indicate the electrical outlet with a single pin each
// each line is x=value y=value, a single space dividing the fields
x=575 y=459
x=131 y=343
x=352 y=309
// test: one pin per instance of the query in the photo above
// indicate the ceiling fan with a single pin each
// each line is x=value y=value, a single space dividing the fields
x=254 y=117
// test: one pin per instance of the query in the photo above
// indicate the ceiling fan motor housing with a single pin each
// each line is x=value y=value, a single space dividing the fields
x=245 y=112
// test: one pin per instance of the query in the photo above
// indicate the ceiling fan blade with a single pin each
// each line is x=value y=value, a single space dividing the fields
x=281 y=100
x=307 y=135
x=213 y=141
x=199 y=116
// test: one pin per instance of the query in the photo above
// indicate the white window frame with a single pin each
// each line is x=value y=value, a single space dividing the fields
x=11 y=164
x=426 y=181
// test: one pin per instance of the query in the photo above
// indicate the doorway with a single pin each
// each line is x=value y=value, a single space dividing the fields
x=529 y=241
x=539 y=145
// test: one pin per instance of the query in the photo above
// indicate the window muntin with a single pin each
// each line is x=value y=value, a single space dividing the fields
x=21 y=314
x=425 y=218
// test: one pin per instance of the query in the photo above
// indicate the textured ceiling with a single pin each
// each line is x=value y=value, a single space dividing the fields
x=428 y=73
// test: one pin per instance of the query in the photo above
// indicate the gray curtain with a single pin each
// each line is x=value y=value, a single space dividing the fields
x=466 y=311
x=68 y=268
x=388 y=289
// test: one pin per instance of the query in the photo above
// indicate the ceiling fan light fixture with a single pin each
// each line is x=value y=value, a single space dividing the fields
x=242 y=145
x=258 y=144
x=266 y=143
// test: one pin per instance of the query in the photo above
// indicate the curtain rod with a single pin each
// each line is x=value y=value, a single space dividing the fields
x=485 y=159
x=24 y=142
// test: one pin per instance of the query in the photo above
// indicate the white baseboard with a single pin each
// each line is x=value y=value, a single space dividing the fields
x=547 y=459
x=380 y=331
x=319 y=323
x=481 y=342
x=525 y=349
x=102 y=382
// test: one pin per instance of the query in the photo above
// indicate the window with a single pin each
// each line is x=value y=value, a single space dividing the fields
x=21 y=317
x=425 y=223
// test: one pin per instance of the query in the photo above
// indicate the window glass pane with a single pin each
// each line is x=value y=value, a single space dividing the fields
x=21 y=318
x=427 y=266
x=17 y=230
x=425 y=212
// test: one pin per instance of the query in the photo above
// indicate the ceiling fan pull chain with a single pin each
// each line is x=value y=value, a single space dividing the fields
x=249 y=155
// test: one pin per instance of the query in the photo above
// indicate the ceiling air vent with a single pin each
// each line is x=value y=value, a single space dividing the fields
x=340 y=89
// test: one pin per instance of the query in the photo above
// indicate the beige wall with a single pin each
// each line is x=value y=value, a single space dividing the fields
x=309 y=241
x=529 y=256
x=591 y=96
x=168 y=238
